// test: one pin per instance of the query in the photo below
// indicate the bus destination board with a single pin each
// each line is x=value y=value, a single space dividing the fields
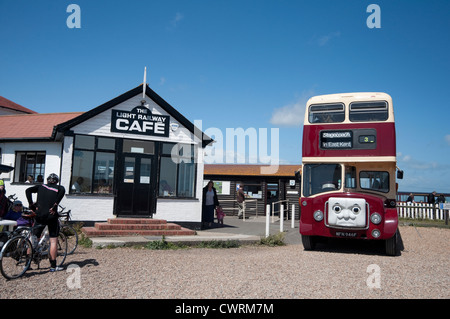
x=336 y=139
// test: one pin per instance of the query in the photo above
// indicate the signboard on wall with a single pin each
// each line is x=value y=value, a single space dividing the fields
x=140 y=121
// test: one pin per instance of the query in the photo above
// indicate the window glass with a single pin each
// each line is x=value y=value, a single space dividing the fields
x=142 y=147
x=374 y=180
x=319 y=178
x=167 y=148
x=145 y=170
x=326 y=113
x=177 y=171
x=129 y=169
x=93 y=165
x=104 y=173
x=106 y=144
x=168 y=177
x=186 y=179
x=85 y=142
x=83 y=162
x=350 y=177
x=368 y=111
x=31 y=167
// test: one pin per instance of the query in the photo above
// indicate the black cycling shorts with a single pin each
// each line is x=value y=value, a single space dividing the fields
x=53 y=227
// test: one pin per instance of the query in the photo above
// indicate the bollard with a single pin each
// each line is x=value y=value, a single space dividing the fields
x=267 y=220
x=281 y=217
x=293 y=216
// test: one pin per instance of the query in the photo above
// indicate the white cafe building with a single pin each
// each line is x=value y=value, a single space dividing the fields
x=129 y=157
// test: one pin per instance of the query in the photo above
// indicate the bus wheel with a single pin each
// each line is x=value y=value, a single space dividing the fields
x=309 y=242
x=392 y=245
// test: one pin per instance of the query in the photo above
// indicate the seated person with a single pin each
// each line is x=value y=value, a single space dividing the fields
x=15 y=212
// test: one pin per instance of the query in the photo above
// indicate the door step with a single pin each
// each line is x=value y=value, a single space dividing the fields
x=135 y=227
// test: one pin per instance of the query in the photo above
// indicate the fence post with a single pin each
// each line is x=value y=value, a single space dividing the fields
x=281 y=218
x=267 y=220
x=293 y=216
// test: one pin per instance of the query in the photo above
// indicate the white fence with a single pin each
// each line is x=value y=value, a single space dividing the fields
x=420 y=211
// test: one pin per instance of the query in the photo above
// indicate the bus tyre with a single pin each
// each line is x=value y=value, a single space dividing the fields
x=309 y=242
x=392 y=245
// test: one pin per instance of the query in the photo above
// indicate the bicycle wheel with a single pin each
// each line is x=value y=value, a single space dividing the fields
x=72 y=238
x=15 y=257
x=62 y=249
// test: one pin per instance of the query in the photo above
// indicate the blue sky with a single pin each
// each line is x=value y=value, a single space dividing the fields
x=241 y=64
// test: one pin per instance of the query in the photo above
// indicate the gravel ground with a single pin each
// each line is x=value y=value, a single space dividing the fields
x=339 y=269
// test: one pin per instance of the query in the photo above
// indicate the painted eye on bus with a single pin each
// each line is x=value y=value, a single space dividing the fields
x=356 y=209
x=337 y=209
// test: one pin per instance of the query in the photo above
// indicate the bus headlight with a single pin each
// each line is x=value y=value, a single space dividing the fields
x=318 y=215
x=375 y=218
x=376 y=233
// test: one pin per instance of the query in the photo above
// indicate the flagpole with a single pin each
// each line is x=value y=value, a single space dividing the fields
x=145 y=83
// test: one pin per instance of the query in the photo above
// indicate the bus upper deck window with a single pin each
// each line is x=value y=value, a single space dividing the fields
x=326 y=113
x=368 y=111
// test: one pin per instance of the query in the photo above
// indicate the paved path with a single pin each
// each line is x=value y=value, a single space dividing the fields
x=250 y=230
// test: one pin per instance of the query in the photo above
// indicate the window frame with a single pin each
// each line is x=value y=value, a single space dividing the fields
x=330 y=109
x=96 y=150
x=368 y=107
x=381 y=190
x=180 y=162
x=22 y=172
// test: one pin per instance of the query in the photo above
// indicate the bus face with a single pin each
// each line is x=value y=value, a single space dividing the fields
x=348 y=167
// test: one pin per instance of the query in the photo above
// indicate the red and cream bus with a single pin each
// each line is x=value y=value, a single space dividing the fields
x=348 y=169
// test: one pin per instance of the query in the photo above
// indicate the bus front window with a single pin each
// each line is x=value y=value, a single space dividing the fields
x=319 y=178
x=374 y=180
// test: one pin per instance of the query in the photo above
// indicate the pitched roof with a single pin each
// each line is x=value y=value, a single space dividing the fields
x=131 y=93
x=8 y=104
x=248 y=170
x=32 y=126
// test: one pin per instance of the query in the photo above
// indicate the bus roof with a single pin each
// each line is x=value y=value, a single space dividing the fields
x=346 y=99
x=350 y=97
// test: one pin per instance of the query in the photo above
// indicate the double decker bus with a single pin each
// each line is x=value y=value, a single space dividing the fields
x=349 y=169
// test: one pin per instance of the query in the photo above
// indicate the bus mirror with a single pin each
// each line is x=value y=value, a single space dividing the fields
x=399 y=174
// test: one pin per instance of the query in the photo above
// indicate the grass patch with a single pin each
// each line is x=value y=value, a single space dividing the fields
x=422 y=222
x=273 y=240
x=219 y=244
x=84 y=241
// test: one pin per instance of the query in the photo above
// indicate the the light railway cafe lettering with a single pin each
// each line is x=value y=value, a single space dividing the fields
x=133 y=156
x=140 y=121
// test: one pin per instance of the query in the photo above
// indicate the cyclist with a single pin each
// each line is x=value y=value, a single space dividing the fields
x=48 y=198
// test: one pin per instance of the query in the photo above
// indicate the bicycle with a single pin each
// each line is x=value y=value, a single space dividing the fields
x=68 y=230
x=18 y=252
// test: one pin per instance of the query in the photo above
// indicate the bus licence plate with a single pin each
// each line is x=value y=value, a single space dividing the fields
x=345 y=234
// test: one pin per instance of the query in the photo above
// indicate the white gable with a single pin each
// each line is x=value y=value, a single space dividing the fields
x=100 y=125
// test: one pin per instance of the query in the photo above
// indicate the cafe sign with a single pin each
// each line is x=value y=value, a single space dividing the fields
x=140 y=121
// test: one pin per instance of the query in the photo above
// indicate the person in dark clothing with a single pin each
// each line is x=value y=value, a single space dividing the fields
x=210 y=202
x=431 y=199
x=48 y=198
x=3 y=199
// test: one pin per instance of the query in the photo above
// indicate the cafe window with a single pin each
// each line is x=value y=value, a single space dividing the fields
x=93 y=165
x=178 y=170
x=31 y=167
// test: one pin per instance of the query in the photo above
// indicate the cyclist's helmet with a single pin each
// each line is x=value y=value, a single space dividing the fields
x=52 y=179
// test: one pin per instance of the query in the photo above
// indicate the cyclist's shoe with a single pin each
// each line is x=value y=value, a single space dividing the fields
x=53 y=269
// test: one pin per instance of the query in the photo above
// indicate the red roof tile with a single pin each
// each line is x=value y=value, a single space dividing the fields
x=248 y=170
x=32 y=126
x=4 y=102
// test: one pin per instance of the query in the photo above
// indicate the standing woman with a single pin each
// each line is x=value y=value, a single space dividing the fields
x=210 y=202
